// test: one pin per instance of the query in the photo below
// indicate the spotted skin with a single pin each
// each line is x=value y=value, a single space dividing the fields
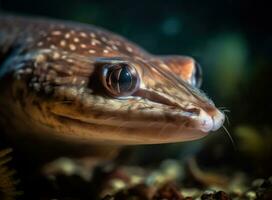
x=83 y=39
x=53 y=102
x=52 y=75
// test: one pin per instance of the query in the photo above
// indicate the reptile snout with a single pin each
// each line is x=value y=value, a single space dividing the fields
x=218 y=120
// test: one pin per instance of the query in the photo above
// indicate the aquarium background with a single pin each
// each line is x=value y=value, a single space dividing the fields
x=232 y=40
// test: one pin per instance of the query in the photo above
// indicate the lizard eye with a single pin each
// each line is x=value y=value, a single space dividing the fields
x=196 y=79
x=120 y=80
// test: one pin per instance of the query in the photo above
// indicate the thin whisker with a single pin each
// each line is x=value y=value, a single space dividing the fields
x=230 y=137
x=227 y=118
x=222 y=107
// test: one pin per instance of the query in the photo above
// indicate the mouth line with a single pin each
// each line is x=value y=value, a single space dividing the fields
x=132 y=136
x=130 y=124
x=190 y=122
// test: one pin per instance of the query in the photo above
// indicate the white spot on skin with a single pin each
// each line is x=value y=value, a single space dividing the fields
x=63 y=43
x=72 y=47
x=56 y=33
x=114 y=47
x=40 y=58
x=129 y=49
x=104 y=39
x=67 y=36
x=76 y=40
x=56 y=55
x=108 y=48
x=92 y=35
x=94 y=42
x=83 y=46
x=70 y=60
x=92 y=51
x=82 y=34
x=105 y=51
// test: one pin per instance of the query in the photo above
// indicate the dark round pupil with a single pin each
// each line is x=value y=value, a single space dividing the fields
x=121 y=79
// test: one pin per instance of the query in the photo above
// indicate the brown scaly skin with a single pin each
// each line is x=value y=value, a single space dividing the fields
x=56 y=99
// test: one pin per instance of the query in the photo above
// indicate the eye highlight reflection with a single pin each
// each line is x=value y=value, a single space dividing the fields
x=120 y=80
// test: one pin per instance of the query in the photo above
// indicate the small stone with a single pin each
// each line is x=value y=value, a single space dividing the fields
x=220 y=195
x=168 y=191
x=209 y=192
x=190 y=192
x=251 y=195
x=257 y=183
x=118 y=184
x=172 y=169
x=138 y=192
x=108 y=197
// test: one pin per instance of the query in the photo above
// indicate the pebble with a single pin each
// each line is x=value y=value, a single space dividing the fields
x=220 y=195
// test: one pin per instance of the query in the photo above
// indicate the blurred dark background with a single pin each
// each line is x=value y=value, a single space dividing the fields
x=231 y=39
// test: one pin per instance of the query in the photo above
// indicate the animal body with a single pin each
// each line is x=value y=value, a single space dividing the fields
x=74 y=89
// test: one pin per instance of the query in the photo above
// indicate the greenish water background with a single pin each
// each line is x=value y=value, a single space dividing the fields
x=232 y=40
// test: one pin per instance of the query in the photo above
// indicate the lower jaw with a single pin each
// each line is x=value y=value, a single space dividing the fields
x=93 y=133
